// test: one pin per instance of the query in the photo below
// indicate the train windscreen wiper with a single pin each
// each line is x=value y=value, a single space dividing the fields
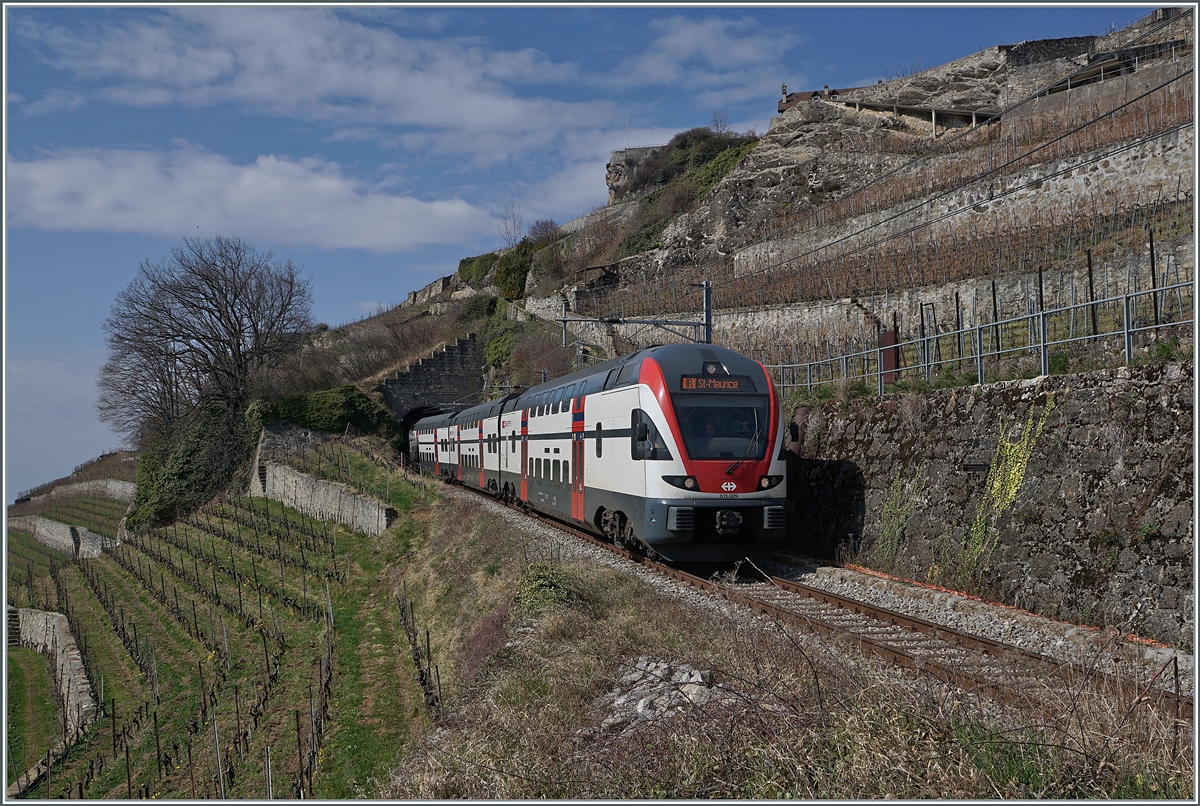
x=750 y=445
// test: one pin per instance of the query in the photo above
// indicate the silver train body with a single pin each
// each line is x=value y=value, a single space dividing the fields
x=676 y=450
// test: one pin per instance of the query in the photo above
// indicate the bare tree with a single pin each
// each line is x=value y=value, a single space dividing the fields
x=512 y=225
x=720 y=122
x=195 y=328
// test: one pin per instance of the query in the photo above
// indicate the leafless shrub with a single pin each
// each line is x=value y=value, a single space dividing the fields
x=538 y=352
x=544 y=231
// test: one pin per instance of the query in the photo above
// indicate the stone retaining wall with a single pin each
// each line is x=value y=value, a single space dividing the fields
x=1100 y=528
x=47 y=632
x=73 y=541
x=109 y=488
x=328 y=500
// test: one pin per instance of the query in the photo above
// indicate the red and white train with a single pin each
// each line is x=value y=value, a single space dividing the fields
x=676 y=450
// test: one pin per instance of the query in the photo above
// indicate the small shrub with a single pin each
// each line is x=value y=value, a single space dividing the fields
x=1060 y=363
x=331 y=410
x=544 y=231
x=472 y=270
x=478 y=307
x=513 y=269
x=542 y=586
x=643 y=240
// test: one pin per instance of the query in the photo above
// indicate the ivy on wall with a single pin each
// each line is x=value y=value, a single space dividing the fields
x=1004 y=480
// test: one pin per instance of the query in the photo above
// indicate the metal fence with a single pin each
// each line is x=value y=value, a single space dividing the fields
x=1006 y=348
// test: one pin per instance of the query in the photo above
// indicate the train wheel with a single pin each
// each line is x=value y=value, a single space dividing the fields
x=629 y=540
x=610 y=524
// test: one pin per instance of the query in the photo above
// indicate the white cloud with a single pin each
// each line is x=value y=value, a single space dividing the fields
x=53 y=101
x=315 y=64
x=306 y=202
x=720 y=61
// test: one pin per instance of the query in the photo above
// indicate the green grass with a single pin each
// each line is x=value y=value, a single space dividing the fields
x=32 y=710
x=375 y=694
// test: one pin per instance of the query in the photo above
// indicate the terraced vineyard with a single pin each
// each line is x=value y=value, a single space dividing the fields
x=216 y=638
x=93 y=512
x=29 y=582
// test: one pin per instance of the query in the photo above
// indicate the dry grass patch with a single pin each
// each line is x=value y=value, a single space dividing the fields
x=540 y=702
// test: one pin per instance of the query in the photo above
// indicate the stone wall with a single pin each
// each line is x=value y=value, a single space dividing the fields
x=1044 y=50
x=73 y=541
x=811 y=330
x=1100 y=528
x=47 y=632
x=328 y=500
x=1111 y=92
x=453 y=374
x=1162 y=167
x=109 y=488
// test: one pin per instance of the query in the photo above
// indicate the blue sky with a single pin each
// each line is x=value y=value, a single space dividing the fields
x=376 y=146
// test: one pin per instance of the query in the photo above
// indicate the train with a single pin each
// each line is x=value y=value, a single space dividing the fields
x=675 y=451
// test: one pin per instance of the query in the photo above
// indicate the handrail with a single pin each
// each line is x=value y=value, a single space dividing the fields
x=1020 y=335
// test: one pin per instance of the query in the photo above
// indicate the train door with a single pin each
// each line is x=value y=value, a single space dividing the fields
x=577 y=452
x=480 y=454
x=524 y=454
x=456 y=454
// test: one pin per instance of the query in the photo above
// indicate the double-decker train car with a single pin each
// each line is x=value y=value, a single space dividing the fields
x=676 y=450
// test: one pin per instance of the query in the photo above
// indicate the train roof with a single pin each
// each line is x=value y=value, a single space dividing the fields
x=675 y=359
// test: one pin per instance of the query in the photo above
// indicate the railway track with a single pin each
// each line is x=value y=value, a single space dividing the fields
x=1000 y=671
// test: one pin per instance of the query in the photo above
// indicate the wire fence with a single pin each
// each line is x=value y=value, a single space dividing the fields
x=1037 y=344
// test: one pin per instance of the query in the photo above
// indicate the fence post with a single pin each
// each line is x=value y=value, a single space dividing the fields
x=879 y=367
x=1128 y=331
x=979 y=352
x=809 y=368
x=1042 y=334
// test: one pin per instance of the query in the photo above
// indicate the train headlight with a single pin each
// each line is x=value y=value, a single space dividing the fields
x=682 y=482
x=767 y=482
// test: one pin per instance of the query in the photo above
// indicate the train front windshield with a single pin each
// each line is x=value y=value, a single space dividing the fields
x=723 y=427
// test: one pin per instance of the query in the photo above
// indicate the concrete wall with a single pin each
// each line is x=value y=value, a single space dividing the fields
x=323 y=499
x=47 y=632
x=73 y=541
x=1100 y=529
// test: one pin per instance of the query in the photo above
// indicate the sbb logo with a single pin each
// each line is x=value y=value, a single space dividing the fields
x=729 y=486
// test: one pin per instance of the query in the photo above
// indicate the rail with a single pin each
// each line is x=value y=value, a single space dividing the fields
x=1120 y=320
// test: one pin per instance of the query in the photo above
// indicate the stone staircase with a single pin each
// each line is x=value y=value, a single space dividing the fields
x=14 y=626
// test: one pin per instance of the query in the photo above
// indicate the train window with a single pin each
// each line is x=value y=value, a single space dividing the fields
x=566 y=476
x=599 y=440
x=554 y=473
x=558 y=396
x=569 y=396
x=629 y=373
x=537 y=463
x=512 y=435
x=651 y=444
